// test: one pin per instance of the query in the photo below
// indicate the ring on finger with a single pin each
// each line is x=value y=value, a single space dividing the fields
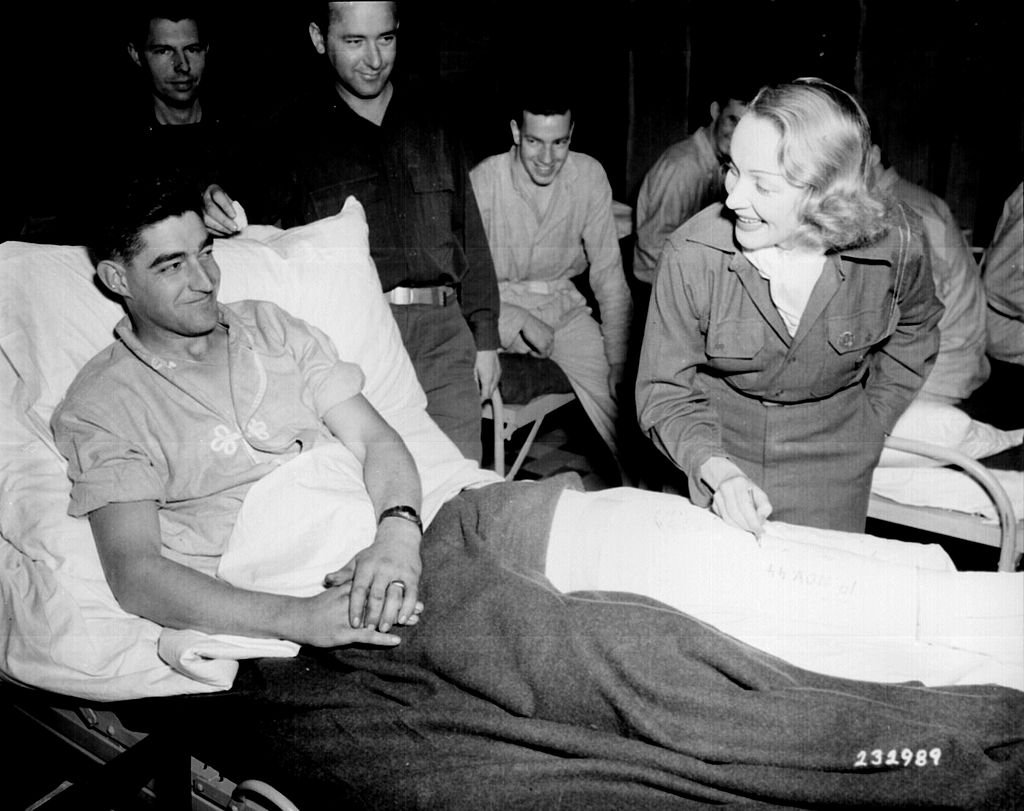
x=399 y=583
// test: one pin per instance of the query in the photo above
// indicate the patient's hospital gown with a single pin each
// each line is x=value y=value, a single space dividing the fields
x=136 y=427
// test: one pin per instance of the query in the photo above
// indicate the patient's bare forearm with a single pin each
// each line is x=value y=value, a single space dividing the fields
x=175 y=596
x=389 y=471
x=391 y=478
x=148 y=584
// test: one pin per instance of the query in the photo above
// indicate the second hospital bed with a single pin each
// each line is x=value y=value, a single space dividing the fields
x=946 y=473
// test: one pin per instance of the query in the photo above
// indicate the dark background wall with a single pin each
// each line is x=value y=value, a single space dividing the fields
x=939 y=78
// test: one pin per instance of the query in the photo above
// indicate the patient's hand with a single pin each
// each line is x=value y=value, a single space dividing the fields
x=343 y=577
x=324 y=622
x=384 y=578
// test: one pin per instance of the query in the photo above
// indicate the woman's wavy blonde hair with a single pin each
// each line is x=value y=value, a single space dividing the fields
x=825 y=147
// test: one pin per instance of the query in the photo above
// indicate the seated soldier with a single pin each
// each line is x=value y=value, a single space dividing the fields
x=1004 y=282
x=686 y=178
x=580 y=701
x=548 y=216
x=1002 y=274
x=961 y=366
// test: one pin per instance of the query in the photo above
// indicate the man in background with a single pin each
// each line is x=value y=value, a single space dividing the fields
x=1002 y=273
x=167 y=122
x=363 y=135
x=170 y=51
x=174 y=121
x=961 y=366
x=687 y=177
x=1004 y=282
x=548 y=216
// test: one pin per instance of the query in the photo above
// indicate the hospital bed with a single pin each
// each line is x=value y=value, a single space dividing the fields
x=104 y=682
x=931 y=478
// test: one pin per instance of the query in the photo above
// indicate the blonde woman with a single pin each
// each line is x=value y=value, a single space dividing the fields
x=791 y=326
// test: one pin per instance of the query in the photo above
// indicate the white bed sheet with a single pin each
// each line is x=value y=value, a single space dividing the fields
x=845 y=604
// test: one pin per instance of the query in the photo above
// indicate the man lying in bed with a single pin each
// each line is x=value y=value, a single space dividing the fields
x=167 y=429
x=504 y=692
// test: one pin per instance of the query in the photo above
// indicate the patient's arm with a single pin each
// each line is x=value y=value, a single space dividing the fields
x=145 y=583
x=391 y=480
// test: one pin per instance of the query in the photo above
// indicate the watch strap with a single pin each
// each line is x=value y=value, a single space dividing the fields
x=403 y=511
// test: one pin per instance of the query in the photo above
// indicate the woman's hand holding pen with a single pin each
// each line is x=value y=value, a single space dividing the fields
x=737 y=500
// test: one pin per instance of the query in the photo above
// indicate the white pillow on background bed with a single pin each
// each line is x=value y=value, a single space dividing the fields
x=939 y=423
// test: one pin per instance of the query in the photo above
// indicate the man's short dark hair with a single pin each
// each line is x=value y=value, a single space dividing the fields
x=320 y=13
x=134 y=204
x=140 y=15
x=543 y=98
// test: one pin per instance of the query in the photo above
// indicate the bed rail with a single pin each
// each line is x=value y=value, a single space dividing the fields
x=1010 y=537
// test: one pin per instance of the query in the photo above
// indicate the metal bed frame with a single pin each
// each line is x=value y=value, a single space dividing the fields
x=150 y=768
x=1007 y=535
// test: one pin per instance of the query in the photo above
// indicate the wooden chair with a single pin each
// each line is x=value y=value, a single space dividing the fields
x=536 y=387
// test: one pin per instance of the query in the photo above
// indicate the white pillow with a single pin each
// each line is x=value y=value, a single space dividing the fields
x=54 y=318
x=322 y=272
x=938 y=423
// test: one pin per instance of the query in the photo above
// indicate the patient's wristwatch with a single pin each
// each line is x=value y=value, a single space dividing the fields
x=403 y=511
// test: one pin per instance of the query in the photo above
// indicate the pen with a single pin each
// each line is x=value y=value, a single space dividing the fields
x=759 y=534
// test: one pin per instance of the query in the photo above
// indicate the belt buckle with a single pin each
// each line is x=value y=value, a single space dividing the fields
x=439 y=294
x=436 y=295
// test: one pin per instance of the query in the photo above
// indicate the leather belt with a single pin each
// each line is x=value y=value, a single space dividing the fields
x=440 y=295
